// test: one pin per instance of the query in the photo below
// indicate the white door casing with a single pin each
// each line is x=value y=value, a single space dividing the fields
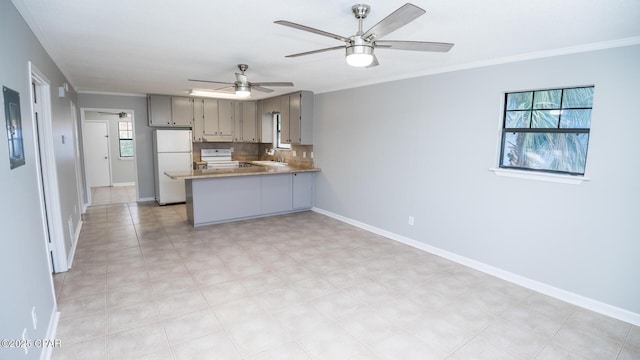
x=97 y=158
x=46 y=169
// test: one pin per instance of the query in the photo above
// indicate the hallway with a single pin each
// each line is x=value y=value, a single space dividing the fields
x=113 y=195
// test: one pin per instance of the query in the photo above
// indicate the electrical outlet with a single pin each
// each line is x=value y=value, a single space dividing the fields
x=304 y=154
x=294 y=153
x=411 y=220
x=34 y=317
x=311 y=155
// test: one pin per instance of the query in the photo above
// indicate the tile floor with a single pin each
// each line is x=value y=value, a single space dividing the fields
x=113 y=195
x=146 y=285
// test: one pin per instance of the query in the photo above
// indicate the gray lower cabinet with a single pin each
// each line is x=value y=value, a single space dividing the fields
x=222 y=199
x=218 y=199
x=302 y=185
x=276 y=193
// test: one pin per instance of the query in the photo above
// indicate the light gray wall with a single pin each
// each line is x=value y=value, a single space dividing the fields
x=122 y=169
x=143 y=133
x=26 y=281
x=423 y=147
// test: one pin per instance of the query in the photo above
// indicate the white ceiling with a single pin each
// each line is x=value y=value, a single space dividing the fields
x=153 y=46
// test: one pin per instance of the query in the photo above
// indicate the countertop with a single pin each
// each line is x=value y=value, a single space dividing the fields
x=239 y=171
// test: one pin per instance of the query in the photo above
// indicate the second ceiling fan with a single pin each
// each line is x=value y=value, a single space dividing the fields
x=242 y=86
x=359 y=47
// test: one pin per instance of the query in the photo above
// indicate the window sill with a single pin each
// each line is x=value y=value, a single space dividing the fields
x=531 y=175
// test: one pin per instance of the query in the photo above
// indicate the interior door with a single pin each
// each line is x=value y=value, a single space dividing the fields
x=97 y=161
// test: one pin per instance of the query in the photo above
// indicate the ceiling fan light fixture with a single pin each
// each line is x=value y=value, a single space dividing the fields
x=242 y=90
x=359 y=55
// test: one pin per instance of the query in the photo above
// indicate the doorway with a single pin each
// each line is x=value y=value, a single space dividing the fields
x=46 y=169
x=109 y=161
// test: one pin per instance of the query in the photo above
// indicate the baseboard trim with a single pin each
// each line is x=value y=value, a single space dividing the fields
x=123 y=184
x=561 y=294
x=47 y=351
x=76 y=237
x=148 y=199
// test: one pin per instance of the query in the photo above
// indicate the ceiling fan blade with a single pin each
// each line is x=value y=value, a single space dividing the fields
x=266 y=83
x=414 y=45
x=211 y=81
x=374 y=62
x=316 y=51
x=312 y=30
x=260 y=88
x=394 y=21
x=226 y=89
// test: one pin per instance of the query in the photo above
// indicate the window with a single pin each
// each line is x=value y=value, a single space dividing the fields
x=547 y=130
x=279 y=143
x=125 y=136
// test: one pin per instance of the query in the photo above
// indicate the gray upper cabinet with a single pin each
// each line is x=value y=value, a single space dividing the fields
x=271 y=105
x=181 y=111
x=245 y=122
x=217 y=117
x=248 y=111
x=296 y=117
x=285 y=134
x=198 y=121
x=159 y=108
x=170 y=111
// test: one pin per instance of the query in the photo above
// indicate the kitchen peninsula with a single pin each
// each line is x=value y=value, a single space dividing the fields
x=222 y=195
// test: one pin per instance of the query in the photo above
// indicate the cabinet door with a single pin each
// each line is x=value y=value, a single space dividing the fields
x=266 y=128
x=225 y=119
x=210 y=118
x=198 y=120
x=237 y=121
x=285 y=134
x=276 y=193
x=272 y=105
x=181 y=111
x=249 y=131
x=159 y=107
x=294 y=118
x=302 y=190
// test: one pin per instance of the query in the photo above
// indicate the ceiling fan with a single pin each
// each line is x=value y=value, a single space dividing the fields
x=359 y=47
x=242 y=86
x=121 y=114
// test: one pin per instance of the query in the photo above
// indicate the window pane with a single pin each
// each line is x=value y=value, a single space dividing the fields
x=518 y=119
x=578 y=97
x=545 y=119
x=575 y=119
x=562 y=152
x=519 y=101
x=126 y=148
x=547 y=99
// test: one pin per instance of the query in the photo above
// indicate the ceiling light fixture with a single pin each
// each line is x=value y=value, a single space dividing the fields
x=359 y=53
x=212 y=94
x=242 y=90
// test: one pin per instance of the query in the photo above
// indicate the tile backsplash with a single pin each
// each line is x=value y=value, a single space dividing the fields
x=251 y=151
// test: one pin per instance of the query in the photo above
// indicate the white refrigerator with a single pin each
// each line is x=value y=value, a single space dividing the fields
x=172 y=152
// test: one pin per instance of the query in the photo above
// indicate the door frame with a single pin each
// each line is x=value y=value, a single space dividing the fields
x=83 y=119
x=50 y=209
